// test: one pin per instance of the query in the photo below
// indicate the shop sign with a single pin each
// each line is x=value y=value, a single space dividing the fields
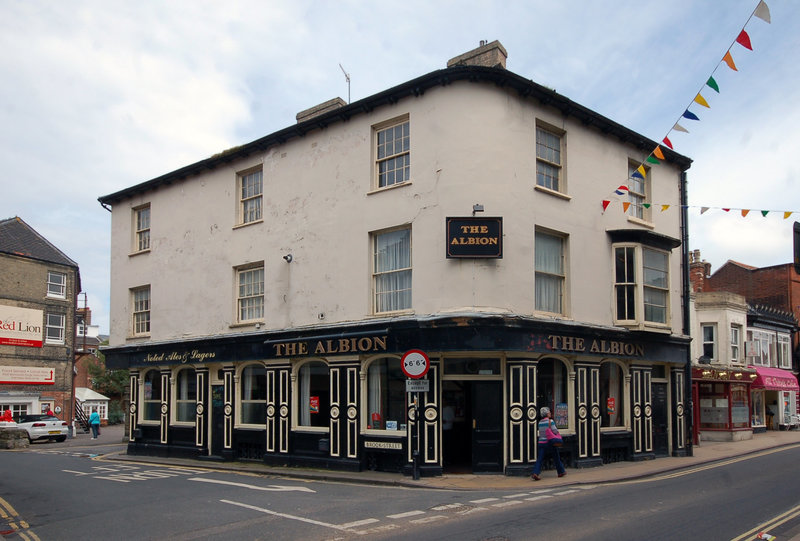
x=472 y=237
x=383 y=445
x=574 y=344
x=27 y=375
x=21 y=326
x=195 y=356
x=365 y=344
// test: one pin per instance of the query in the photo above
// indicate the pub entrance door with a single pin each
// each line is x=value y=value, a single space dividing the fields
x=660 y=419
x=217 y=419
x=472 y=426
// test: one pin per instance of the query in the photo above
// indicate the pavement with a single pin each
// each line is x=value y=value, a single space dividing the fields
x=705 y=453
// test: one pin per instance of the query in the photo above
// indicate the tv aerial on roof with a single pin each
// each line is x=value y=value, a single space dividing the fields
x=347 y=78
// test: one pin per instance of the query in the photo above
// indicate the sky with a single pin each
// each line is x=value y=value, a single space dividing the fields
x=100 y=96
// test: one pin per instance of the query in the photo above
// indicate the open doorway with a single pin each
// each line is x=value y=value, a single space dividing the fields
x=472 y=426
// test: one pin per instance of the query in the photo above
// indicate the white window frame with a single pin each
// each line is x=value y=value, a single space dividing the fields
x=783 y=351
x=140 y=310
x=141 y=229
x=638 y=193
x=56 y=285
x=392 y=148
x=549 y=159
x=151 y=400
x=369 y=384
x=243 y=377
x=250 y=190
x=388 y=274
x=736 y=343
x=250 y=294
x=298 y=401
x=760 y=340
x=712 y=342
x=54 y=328
x=544 y=275
x=638 y=288
x=191 y=374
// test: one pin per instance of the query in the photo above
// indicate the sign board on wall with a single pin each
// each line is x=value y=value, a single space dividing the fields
x=31 y=375
x=472 y=237
x=21 y=326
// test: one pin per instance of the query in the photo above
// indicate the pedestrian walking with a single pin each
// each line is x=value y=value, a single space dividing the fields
x=548 y=443
x=94 y=422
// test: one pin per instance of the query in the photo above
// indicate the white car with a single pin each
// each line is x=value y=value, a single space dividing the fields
x=43 y=427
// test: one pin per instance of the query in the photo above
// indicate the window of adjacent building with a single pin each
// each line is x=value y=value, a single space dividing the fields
x=56 y=284
x=709 y=332
x=250 y=296
x=548 y=159
x=783 y=349
x=141 y=218
x=151 y=399
x=254 y=394
x=637 y=192
x=54 y=328
x=314 y=395
x=736 y=343
x=185 y=395
x=17 y=410
x=141 y=310
x=551 y=390
x=99 y=407
x=641 y=289
x=386 y=395
x=391 y=270
x=250 y=187
x=761 y=347
x=393 y=154
x=612 y=395
x=550 y=276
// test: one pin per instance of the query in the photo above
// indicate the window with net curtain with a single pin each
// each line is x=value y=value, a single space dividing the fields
x=314 y=394
x=151 y=410
x=185 y=395
x=386 y=395
x=551 y=390
x=612 y=395
x=550 y=277
x=392 y=270
x=254 y=394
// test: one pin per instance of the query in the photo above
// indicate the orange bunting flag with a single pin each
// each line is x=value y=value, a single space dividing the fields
x=762 y=12
x=786 y=214
x=728 y=59
x=606 y=202
x=745 y=212
x=744 y=40
x=667 y=142
x=625 y=206
x=702 y=101
x=664 y=207
x=658 y=154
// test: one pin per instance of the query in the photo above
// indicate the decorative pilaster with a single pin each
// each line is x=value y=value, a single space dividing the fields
x=680 y=412
x=521 y=415
x=134 y=405
x=166 y=388
x=587 y=395
x=642 y=410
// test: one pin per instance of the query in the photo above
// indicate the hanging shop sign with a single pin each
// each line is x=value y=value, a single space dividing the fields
x=21 y=326
x=473 y=237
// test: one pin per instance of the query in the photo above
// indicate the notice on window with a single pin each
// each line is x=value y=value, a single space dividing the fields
x=561 y=415
x=313 y=404
x=21 y=326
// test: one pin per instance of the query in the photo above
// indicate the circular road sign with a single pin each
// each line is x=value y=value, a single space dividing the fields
x=415 y=363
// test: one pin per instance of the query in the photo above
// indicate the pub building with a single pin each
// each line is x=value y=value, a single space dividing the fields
x=263 y=298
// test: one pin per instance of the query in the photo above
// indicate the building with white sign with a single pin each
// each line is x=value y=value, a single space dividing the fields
x=263 y=298
x=38 y=290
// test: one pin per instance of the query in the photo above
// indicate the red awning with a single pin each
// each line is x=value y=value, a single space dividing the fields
x=774 y=379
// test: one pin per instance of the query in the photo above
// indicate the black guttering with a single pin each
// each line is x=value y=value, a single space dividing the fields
x=416 y=87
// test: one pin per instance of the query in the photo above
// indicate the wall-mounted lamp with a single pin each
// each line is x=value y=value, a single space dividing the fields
x=477 y=207
x=288 y=258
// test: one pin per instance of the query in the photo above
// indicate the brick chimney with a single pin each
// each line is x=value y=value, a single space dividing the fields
x=699 y=271
x=490 y=55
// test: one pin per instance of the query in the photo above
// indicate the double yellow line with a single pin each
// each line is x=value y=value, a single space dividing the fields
x=770 y=524
x=17 y=525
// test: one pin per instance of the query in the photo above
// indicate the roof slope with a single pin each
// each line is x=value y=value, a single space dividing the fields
x=20 y=239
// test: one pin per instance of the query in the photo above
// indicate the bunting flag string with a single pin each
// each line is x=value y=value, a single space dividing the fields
x=703 y=209
x=656 y=155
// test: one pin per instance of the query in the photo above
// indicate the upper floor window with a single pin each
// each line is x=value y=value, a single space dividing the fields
x=783 y=352
x=140 y=299
x=709 y=332
x=641 y=283
x=548 y=159
x=550 y=276
x=638 y=193
x=56 y=284
x=762 y=352
x=391 y=270
x=393 y=154
x=54 y=328
x=250 y=298
x=736 y=343
x=185 y=395
x=250 y=196
x=141 y=218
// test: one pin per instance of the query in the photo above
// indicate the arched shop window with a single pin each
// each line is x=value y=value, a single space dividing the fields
x=314 y=395
x=551 y=390
x=151 y=410
x=185 y=395
x=386 y=395
x=612 y=395
x=254 y=395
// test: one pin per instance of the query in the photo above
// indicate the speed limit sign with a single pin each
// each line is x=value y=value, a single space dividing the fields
x=415 y=363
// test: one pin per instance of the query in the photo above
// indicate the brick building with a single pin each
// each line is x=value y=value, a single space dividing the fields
x=38 y=290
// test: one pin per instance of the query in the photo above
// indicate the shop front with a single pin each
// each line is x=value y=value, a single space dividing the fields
x=337 y=399
x=722 y=403
x=774 y=396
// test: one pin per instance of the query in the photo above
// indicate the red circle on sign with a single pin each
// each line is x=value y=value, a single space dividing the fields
x=415 y=363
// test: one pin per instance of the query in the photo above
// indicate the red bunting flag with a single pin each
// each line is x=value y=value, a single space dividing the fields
x=726 y=210
x=606 y=202
x=744 y=40
x=667 y=142
x=728 y=59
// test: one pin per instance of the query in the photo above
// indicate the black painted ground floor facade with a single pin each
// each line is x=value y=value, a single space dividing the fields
x=336 y=397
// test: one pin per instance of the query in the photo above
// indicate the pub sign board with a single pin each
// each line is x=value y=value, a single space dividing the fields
x=472 y=237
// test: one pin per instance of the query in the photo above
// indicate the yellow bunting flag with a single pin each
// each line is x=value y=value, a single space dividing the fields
x=786 y=214
x=702 y=101
x=728 y=59
x=664 y=207
x=642 y=171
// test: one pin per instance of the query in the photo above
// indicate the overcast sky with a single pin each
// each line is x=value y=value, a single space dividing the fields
x=99 y=96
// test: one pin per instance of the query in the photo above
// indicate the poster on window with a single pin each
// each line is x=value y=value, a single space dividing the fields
x=313 y=404
x=561 y=415
x=611 y=405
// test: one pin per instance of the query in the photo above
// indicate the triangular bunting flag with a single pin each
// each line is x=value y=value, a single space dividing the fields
x=745 y=212
x=642 y=171
x=664 y=207
x=727 y=210
x=667 y=142
x=678 y=127
x=702 y=101
x=652 y=159
x=744 y=40
x=703 y=210
x=728 y=59
x=762 y=12
x=690 y=115
x=646 y=205
x=606 y=202
x=786 y=214
x=764 y=213
x=713 y=84
x=625 y=206
x=658 y=154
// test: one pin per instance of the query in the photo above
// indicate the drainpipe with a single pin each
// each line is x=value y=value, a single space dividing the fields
x=689 y=406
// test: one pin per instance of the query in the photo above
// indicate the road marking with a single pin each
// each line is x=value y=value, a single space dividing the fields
x=485 y=500
x=536 y=498
x=447 y=506
x=470 y=510
x=543 y=491
x=406 y=514
x=22 y=529
x=78 y=472
x=428 y=519
x=771 y=523
x=270 y=488
x=507 y=504
x=516 y=495
x=285 y=515
x=357 y=523
x=564 y=493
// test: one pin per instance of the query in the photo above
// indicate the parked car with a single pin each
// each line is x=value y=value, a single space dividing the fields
x=43 y=427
